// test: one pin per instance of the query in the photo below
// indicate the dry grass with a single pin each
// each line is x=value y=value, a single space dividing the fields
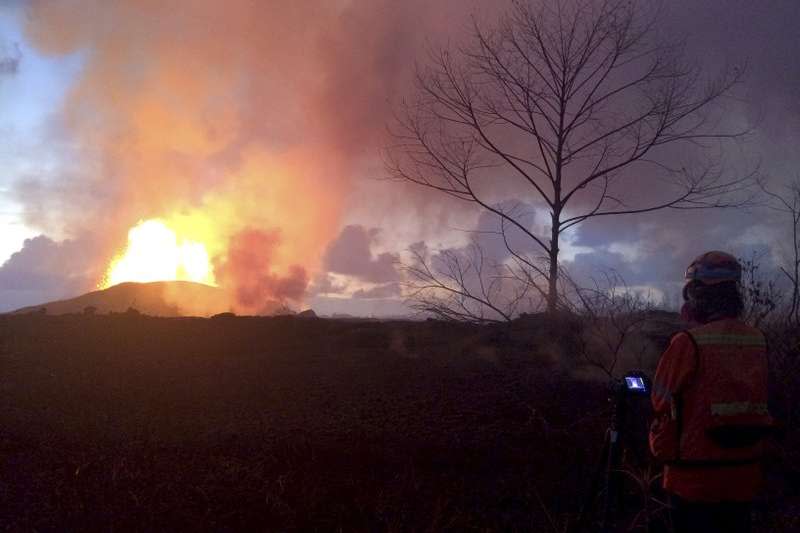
x=132 y=422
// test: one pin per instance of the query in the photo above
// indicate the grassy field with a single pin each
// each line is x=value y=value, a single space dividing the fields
x=131 y=422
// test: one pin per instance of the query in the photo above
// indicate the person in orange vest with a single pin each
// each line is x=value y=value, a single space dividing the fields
x=709 y=401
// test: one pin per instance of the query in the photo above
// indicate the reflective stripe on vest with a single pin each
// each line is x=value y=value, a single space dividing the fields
x=727 y=391
x=730 y=339
x=739 y=408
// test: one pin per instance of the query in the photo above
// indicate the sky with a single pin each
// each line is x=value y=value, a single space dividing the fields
x=30 y=94
x=256 y=129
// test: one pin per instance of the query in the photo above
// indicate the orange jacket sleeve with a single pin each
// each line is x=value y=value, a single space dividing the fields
x=674 y=370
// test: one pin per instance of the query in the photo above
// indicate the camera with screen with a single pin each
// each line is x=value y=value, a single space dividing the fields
x=632 y=383
x=636 y=383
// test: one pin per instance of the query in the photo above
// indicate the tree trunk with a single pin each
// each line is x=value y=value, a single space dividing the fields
x=552 y=292
x=795 y=311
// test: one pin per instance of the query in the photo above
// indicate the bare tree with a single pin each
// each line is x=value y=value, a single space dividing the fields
x=788 y=203
x=760 y=291
x=613 y=316
x=463 y=285
x=569 y=104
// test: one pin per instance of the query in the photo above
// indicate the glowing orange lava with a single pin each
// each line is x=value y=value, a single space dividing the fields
x=155 y=253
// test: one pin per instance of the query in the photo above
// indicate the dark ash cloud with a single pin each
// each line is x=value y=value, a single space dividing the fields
x=10 y=58
x=44 y=265
x=324 y=283
x=351 y=254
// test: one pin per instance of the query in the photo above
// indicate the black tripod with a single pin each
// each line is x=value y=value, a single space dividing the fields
x=608 y=474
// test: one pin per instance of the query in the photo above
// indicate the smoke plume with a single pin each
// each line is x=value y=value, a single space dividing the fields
x=235 y=122
x=246 y=270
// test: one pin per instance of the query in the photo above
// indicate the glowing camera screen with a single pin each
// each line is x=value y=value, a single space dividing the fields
x=635 y=384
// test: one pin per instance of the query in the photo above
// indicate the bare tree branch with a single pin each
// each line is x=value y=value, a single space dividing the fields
x=788 y=204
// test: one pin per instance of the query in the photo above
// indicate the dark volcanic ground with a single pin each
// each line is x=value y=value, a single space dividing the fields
x=131 y=422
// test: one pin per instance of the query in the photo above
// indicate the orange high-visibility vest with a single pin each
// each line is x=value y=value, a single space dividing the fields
x=725 y=400
x=710 y=389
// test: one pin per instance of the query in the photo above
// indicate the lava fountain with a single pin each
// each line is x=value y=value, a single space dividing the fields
x=155 y=253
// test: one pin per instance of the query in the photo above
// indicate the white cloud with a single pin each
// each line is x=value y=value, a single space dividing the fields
x=568 y=249
x=13 y=233
x=630 y=251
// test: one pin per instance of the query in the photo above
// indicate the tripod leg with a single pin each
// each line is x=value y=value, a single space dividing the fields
x=613 y=478
x=598 y=477
x=610 y=480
